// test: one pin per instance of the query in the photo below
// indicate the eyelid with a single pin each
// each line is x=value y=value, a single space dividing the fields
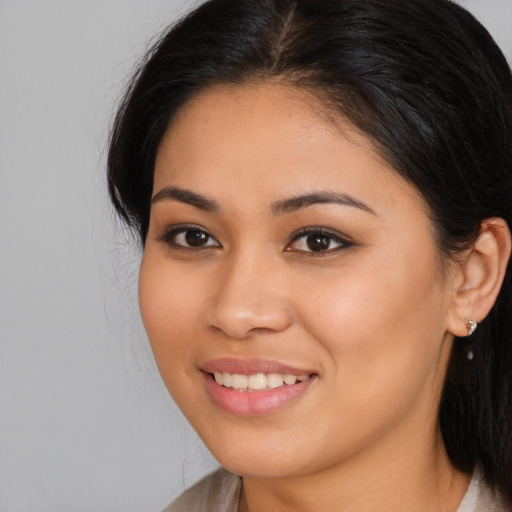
x=340 y=238
x=172 y=231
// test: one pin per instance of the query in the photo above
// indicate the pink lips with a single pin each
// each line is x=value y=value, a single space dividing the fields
x=253 y=403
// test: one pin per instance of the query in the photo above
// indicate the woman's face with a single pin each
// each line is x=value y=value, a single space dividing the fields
x=284 y=255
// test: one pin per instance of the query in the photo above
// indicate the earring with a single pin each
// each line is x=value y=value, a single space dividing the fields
x=471 y=327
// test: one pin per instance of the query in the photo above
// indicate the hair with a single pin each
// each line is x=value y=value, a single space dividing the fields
x=424 y=80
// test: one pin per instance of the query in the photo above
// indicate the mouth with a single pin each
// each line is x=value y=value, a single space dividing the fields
x=257 y=381
x=255 y=387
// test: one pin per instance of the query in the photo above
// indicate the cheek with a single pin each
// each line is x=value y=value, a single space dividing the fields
x=379 y=321
x=168 y=302
x=384 y=358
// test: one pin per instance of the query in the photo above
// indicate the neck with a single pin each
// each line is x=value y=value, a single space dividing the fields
x=414 y=476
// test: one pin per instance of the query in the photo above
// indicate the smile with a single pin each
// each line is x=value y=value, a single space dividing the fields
x=255 y=388
x=257 y=381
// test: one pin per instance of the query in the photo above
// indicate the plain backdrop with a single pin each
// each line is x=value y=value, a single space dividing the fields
x=85 y=423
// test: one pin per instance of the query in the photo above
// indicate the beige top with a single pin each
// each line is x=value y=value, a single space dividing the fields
x=220 y=492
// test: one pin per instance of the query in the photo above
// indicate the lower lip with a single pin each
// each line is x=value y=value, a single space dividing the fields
x=254 y=403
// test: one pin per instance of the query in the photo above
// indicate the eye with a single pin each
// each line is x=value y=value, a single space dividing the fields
x=317 y=240
x=189 y=237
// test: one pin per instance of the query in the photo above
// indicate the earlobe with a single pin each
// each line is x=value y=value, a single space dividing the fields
x=482 y=272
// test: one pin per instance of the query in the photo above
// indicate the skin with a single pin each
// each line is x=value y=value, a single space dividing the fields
x=370 y=317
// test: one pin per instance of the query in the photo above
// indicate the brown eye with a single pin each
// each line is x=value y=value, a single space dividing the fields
x=318 y=241
x=189 y=238
x=196 y=238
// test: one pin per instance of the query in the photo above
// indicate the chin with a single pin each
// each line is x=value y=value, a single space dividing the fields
x=261 y=467
x=263 y=456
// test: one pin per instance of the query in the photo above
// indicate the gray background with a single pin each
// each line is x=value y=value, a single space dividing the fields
x=85 y=423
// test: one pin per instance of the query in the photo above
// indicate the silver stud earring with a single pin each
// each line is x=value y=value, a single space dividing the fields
x=471 y=327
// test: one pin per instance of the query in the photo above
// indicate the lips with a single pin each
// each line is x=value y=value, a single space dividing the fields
x=254 y=387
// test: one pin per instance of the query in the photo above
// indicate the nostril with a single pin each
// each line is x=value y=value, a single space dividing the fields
x=239 y=320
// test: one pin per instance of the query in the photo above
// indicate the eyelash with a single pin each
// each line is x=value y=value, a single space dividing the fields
x=331 y=236
x=169 y=237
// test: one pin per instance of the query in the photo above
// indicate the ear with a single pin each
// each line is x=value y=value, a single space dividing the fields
x=480 y=275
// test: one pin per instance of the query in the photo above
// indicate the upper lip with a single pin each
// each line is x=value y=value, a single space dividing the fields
x=251 y=367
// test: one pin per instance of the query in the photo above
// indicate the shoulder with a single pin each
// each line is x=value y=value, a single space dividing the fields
x=480 y=497
x=217 y=492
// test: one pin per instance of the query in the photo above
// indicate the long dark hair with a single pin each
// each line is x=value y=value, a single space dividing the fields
x=426 y=82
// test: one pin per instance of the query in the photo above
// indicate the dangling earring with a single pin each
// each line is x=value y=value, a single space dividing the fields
x=471 y=329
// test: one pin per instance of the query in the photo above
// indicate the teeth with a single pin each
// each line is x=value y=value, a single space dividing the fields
x=256 y=382
x=290 y=379
x=274 y=380
x=226 y=379
x=238 y=381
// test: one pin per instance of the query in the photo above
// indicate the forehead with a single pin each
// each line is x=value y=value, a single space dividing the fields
x=268 y=140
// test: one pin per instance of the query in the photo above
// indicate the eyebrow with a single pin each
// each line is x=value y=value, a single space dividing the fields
x=323 y=197
x=278 y=208
x=188 y=197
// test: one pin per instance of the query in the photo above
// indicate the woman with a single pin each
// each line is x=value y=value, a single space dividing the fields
x=323 y=193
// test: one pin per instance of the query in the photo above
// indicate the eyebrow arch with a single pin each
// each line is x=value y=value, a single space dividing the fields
x=327 y=197
x=186 y=196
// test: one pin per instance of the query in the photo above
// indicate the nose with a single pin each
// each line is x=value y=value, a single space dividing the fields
x=250 y=298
